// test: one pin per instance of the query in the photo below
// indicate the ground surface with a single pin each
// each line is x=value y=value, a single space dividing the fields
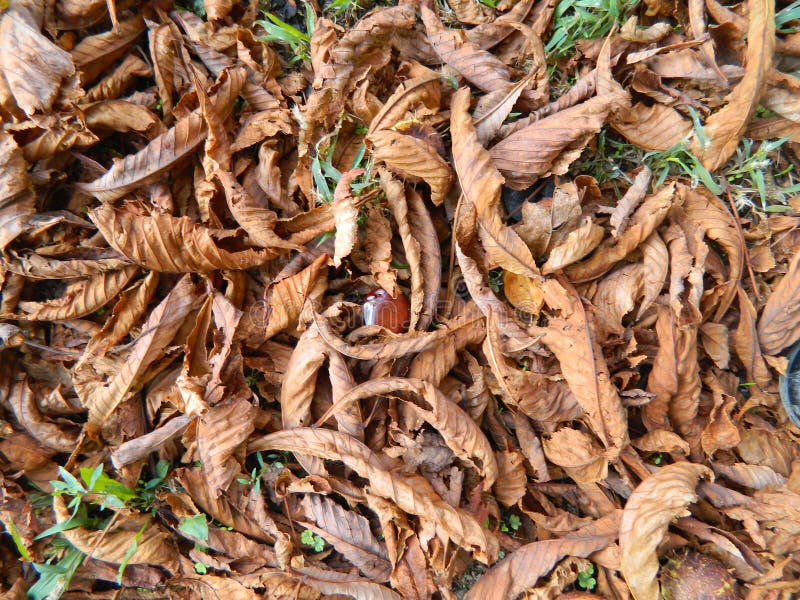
x=399 y=301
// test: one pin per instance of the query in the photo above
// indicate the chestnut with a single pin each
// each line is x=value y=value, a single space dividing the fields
x=392 y=313
x=693 y=575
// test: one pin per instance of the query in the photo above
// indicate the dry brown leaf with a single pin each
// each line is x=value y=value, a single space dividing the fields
x=616 y=296
x=120 y=79
x=96 y=52
x=345 y=214
x=570 y=338
x=488 y=35
x=479 y=67
x=34 y=68
x=391 y=347
x=217 y=9
x=708 y=213
x=524 y=293
x=536 y=395
x=481 y=185
x=287 y=296
x=778 y=324
x=164 y=321
x=81 y=297
x=577 y=453
x=421 y=313
x=472 y=12
x=654 y=128
x=220 y=432
x=163 y=152
x=455 y=426
x=512 y=481
x=654 y=504
x=412 y=493
x=643 y=222
x=493 y=109
x=747 y=345
x=725 y=127
x=174 y=245
x=413 y=158
x=628 y=203
x=257 y=220
x=523 y=568
x=18 y=394
x=661 y=440
x=549 y=145
x=350 y=534
x=407 y=96
x=576 y=245
x=721 y=432
x=714 y=337
x=515 y=337
x=377 y=245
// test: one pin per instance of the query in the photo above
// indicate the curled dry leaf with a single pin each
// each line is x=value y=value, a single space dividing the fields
x=481 y=185
x=523 y=568
x=350 y=534
x=22 y=401
x=220 y=432
x=778 y=325
x=412 y=493
x=549 y=145
x=413 y=158
x=457 y=429
x=174 y=245
x=478 y=66
x=287 y=297
x=578 y=243
x=163 y=152
x=346 y=215
x=512 y=480
x=654 y=504
x=164 y=321
x=377 y=246
x=390 y=348
x=33 y=67
x=81 y=297
x=724 y=128
x=396 y=197
x=570 y=338
x=577 y=453
x=643 y=222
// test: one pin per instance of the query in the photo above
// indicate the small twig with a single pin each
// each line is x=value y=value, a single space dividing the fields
x=741 y=237
x=106 y=529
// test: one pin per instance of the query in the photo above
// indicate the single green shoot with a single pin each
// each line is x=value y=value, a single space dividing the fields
x=309 y=538
x=510 y=523
x=586 y=579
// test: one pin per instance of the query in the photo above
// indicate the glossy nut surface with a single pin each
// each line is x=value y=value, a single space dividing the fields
x=381 y=309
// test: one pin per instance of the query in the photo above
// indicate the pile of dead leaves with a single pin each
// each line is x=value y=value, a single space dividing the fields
x=192 y=403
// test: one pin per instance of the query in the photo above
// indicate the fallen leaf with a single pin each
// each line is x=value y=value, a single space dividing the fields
x=724 y=128
x=777 y=325
x=549 y=145
x=481 y=185
x=654 y=504
x=522 y=569
x=414 y=158
x=411 y=493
